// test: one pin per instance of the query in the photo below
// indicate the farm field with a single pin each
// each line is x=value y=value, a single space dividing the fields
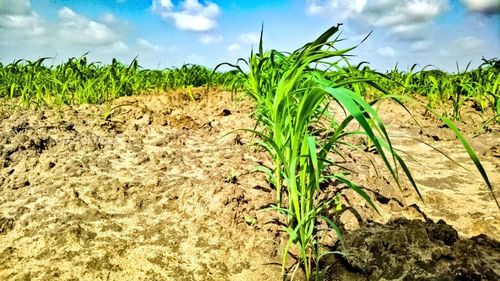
x=157 y=192
x=371 y=156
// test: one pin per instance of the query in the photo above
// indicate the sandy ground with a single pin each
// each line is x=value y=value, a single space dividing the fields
x=458 y=196
x=150 y=195
x=157 y=192
x=455 y=194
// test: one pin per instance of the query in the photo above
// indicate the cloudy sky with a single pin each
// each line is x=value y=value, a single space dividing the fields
x=165 y=33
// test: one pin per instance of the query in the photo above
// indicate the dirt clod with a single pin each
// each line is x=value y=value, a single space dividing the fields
x=6 y=224
x=415 y=250
x=226 y=112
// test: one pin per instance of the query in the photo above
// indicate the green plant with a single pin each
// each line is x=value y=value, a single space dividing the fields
x=79 y=81
x=294 y=94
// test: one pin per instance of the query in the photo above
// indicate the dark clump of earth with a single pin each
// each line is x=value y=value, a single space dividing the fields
x=415 y=250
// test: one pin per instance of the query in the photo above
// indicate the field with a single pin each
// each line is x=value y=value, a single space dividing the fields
x=283 y=170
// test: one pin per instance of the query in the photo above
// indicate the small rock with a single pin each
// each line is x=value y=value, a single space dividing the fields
x=226 y=112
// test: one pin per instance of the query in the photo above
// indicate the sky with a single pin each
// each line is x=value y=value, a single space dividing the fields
x=167 y=33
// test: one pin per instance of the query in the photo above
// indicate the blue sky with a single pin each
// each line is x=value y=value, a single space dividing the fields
x=165 y=33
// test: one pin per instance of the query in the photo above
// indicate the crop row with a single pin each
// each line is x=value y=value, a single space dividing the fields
x=78 y=81
x=447 y=92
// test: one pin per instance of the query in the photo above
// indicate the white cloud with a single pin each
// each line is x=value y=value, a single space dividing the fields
x=414 y=31
x=443 y=52
x=423 y=10
x=404 y=19
x=313 y=8
x=116 y=47
x=393 y=12
x=193 y=22
x=163 y=4
x=407 y=19
x=208 y=39
x=468 y=43
x=233 y=47
x=483 y=6
x=19 y=22
x=342 y=8
x=148 y=46
x=15 y=7
x=462 y=47
x=75 y=28
x=422 y=46
x=191 y=15
x=25 y=34
x=109 y=18
x=250 y=38
x=31 y=24
x=387 y=52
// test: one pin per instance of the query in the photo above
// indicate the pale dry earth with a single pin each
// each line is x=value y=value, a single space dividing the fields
x=159 y=192
x=148 y=195
x=452 y=188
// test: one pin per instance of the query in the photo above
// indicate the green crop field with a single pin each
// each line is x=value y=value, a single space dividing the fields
x=78 y=81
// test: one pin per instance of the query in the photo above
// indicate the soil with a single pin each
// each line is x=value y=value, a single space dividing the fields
x=416 y=250
x=160 y=191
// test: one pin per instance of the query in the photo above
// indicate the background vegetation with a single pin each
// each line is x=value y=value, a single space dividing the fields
x=77 y=81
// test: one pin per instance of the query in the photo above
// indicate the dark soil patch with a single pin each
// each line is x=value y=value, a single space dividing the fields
x=416 y=250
